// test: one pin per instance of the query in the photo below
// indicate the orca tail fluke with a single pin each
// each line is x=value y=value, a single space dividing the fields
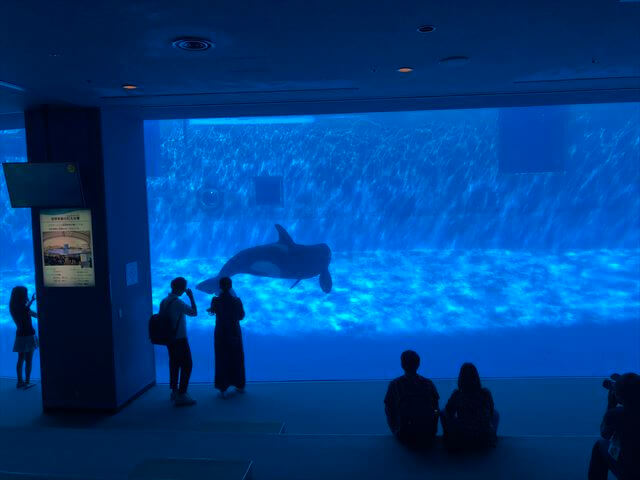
x=210 y=286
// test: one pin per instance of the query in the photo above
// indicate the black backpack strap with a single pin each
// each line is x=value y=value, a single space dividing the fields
x=168 y=304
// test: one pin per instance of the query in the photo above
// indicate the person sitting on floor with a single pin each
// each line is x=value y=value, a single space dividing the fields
x=619 y=448
x=411 y=404
x=469 y=420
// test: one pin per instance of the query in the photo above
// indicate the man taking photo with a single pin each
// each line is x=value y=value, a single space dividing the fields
x=619 y=448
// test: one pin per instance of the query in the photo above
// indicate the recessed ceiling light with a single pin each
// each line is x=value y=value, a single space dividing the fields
x=192 y=44
x=426 y=28
x=129 y=86
x=405 y=70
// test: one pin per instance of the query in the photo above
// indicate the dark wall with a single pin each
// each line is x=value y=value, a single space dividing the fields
x=76 y=343
x=95 y=352
x=127 y=224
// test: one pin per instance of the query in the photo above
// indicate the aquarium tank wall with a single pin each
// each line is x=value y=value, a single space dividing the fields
x=16 y=252
x=505 y=237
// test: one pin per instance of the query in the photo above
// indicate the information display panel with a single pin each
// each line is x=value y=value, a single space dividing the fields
x=67 y=248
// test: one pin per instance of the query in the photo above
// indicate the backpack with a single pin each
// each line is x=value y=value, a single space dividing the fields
x=417 y=416
x=160 y=330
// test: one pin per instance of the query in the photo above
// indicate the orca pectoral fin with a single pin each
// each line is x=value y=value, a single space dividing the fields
x=209 y=286
x=325 y=281
x=295 y=283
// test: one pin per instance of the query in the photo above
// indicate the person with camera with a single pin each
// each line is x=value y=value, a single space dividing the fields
x=180 y=362
x=619 y=448
x=26 y=339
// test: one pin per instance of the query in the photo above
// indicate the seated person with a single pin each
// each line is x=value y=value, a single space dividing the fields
x=411 y=404
x=469 y=419
x=619 y=448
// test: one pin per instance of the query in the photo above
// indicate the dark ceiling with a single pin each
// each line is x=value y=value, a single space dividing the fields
x=303 y=52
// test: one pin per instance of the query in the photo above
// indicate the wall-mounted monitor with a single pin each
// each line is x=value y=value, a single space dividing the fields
x=44 y=185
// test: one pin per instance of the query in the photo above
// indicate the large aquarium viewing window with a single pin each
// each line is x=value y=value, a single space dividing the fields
x=16 y=252
x=506 y=237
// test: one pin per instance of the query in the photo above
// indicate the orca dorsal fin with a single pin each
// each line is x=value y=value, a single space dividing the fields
x=283 y=236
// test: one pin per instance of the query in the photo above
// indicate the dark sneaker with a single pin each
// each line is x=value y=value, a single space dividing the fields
x=174 y=395
x=184 y=400
x=28 y=385
x=20 y=384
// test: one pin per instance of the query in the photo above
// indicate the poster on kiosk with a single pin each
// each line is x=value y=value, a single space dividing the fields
x=67 y=248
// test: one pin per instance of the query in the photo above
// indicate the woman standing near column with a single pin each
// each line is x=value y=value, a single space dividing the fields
x=26 y=340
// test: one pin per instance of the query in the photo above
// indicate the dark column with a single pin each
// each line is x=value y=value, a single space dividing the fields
x=128 y=244
x=95 y=353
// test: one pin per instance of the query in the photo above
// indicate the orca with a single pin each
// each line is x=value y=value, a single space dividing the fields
x=282 y=259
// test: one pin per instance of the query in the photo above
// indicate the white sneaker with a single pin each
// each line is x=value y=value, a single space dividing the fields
x=184 y=400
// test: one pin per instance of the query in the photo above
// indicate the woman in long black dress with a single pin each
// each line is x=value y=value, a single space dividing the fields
x=229 y=354
x=26 y=340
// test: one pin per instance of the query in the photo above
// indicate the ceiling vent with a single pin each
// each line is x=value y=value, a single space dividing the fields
x=192 y=44
x=426 y=28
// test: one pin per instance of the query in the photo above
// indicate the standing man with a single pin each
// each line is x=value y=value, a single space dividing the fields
x=180 y=363
x=229 y=354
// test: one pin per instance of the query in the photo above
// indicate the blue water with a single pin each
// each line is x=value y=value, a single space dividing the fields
x=16 y=251
x=434 y=247
x=432 y=291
